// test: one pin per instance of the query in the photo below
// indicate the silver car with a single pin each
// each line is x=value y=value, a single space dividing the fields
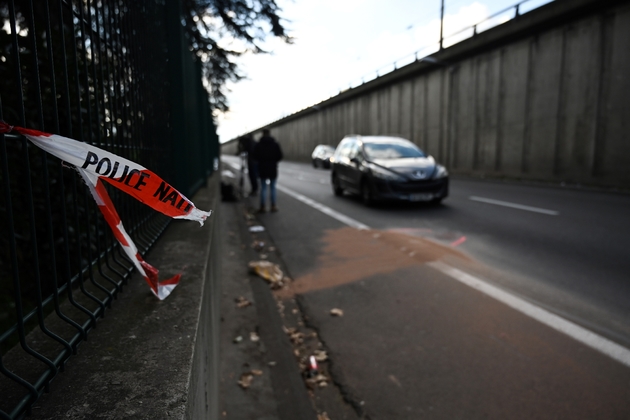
x=321 y=156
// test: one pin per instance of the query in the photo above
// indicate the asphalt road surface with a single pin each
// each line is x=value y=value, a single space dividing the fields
x=506 y=301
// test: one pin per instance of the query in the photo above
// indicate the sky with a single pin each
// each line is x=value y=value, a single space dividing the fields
x=339 y=43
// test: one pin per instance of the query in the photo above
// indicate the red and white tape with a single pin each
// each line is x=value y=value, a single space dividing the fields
x=96 y=165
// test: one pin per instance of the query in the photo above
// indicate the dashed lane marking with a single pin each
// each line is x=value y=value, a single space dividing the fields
x=514 y=205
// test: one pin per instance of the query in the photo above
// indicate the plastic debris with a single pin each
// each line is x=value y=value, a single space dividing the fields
x=256 y=228
x=241 y=302
x=272 y=363
x=336 y=312
x=253 y=336
x=238 y=339
x=258 y=245
x=312 y=366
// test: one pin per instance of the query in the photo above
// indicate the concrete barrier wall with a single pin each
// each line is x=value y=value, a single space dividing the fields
x=541 y=97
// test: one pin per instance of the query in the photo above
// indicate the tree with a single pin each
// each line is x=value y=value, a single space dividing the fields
x=209 y=22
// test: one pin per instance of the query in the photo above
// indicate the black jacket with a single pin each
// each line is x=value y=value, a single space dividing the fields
x=267 y=153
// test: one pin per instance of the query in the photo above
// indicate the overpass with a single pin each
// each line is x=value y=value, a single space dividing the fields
x=541 y=97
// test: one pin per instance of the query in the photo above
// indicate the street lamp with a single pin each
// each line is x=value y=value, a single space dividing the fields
x=441 y=23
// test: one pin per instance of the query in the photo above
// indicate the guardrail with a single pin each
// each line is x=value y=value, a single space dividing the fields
x=425 y=52
x=459 y=35
x=92 y=71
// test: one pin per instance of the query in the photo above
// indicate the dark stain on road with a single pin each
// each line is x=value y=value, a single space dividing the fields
x=349 y=255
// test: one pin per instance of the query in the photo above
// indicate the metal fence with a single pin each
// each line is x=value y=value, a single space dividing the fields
x=116 y=74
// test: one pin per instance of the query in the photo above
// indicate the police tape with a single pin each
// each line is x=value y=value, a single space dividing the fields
x=96 y=165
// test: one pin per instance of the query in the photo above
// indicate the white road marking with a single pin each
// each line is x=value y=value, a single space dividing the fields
x=584 y=336
x=595 y=341
x=324 y=209
x=514 y=205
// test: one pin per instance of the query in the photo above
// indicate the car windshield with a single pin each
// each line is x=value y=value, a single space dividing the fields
x=393 y=150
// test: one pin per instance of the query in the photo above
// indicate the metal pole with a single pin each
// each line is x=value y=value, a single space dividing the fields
x=441 y=23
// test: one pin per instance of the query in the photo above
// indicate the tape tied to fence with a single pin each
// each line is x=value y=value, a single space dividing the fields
x=96 y=165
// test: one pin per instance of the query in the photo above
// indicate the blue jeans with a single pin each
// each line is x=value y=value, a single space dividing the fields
x=263 y=191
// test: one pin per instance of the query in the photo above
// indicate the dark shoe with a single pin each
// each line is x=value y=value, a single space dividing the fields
x=262 y=209
x=274 y=209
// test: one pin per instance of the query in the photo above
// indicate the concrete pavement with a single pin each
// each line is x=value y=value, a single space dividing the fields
x=264 y=340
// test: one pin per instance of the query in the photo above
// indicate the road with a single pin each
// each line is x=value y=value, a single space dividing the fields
x=506 y=301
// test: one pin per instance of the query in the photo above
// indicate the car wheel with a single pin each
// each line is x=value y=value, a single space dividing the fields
x=366 y=193
x=335 y=185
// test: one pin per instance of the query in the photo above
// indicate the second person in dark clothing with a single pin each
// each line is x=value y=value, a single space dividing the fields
x=246 y=144
x=267 y=153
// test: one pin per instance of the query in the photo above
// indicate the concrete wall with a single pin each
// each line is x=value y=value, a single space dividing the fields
x=541 y=97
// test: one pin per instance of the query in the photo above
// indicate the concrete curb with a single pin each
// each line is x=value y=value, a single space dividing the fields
x=151 y=359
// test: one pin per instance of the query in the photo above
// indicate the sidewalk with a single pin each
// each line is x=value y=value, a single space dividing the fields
x=265 y=344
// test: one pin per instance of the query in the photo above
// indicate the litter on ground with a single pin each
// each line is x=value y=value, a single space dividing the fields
x=336 y=312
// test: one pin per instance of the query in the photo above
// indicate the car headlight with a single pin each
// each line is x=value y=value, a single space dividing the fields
x=440 y=172
x=383 y=173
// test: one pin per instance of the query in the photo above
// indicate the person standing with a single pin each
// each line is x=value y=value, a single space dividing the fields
x=246 y=145
x=267 y=154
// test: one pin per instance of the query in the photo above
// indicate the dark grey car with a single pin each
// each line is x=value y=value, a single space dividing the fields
x=387 y=168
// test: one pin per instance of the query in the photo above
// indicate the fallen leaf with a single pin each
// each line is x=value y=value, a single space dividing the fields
x=257 y=372
x=336 y=312
x=320 y=355
x=320 y=378
x=241 y=302
x=245 y=381
x=323 y=416
x=267 y=270
x=254 y=337
x=297 y=338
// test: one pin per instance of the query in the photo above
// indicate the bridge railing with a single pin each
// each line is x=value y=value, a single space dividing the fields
x=497 y=18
